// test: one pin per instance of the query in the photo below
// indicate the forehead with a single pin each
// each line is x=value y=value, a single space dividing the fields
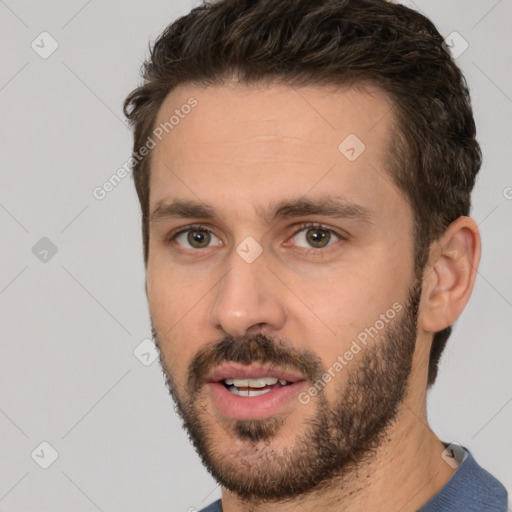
x=260 y=143
x=241 y=111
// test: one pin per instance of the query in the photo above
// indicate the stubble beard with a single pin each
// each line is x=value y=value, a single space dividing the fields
x=334 y=439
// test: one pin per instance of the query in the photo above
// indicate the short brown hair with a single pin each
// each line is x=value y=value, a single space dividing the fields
x=339 y=42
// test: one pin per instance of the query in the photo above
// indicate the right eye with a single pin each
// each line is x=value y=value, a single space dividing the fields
x=196 y=237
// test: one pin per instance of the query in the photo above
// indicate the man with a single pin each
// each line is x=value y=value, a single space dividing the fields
x=304 y=170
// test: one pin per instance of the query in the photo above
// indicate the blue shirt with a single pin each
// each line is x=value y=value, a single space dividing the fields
x=470 y=489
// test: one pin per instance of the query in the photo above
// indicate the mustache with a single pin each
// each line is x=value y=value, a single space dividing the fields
x=257 y=348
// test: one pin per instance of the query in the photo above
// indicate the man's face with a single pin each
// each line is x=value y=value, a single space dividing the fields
x=299 y=268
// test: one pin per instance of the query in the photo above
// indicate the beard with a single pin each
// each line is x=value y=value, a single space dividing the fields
x=331 y=443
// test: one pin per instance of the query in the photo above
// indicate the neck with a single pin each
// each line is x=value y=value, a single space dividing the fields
x=403 y=473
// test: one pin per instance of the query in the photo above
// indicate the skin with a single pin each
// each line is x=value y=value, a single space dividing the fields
x=245 y=148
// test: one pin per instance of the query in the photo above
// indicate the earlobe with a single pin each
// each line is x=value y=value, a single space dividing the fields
x=450 y=275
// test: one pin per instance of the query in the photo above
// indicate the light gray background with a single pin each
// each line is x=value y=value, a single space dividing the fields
x=69 y=326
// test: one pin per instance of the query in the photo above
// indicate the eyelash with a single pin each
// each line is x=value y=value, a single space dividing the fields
x=301 y=227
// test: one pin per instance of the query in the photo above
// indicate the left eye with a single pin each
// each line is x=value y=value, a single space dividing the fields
x=316 y=237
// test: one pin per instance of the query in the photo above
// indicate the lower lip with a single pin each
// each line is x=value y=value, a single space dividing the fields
x=253 y=407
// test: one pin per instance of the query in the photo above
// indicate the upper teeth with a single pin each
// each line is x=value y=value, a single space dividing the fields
x=259 y=382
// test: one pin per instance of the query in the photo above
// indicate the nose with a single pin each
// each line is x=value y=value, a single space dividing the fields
x=247 y=299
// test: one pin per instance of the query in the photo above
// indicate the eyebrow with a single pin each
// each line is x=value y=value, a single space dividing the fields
x=334 y=207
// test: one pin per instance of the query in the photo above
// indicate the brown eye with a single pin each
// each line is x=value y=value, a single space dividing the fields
x=315 y=237
x=318 y=238
x=197 y=238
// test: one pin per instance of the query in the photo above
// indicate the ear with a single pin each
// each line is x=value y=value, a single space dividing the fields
x=449 y=275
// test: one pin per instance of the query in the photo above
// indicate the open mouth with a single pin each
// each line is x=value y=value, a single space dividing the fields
x=255 y=398
x=253 y=391
x=254 y=387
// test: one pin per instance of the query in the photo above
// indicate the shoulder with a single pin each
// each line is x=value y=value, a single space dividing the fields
x=216 y=506
x=471 y=488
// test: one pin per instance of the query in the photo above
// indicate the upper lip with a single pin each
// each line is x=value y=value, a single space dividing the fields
x=252 y=371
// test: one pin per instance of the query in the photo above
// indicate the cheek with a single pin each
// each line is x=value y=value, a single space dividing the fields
x=163 y=303
x=170 y=293
x=347 y=301
x=179 y=318
x=346 y=309
x=168 y=314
